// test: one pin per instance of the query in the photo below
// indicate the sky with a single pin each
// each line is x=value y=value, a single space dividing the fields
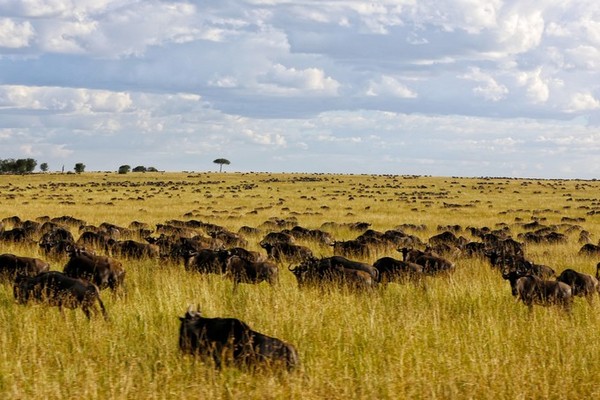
x=463 y=88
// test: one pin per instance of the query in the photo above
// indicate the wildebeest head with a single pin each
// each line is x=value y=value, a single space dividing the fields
x=513 y=275
x=22 y=288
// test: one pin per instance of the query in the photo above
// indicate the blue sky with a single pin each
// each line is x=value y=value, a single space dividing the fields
x=443 y=88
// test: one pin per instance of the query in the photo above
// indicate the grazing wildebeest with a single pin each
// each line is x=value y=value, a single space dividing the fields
x=590 y=249
x=105 y=272
x=337 y=269
x=229 y=341
x=246 y=271
x=132 y=249
x=352 y=248
x=533 y=290
x=15 y=235
x=393 y=270
x=207 y=261
x=93 y=240
x=315 y=235
x=12 y=265
x=583 y=285
x=431 y=264
x=228 y=239
x=60 y=290
x=277 y=237
x=249 y=255
x=287 y=252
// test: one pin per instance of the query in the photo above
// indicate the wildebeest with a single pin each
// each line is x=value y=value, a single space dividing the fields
x=105 y=272
x=246 y=271
x=589 y=249
x=207 y=261
x=132 y=249
x=229 y=341
x=15 y=235
x=177 y=248
x=12 y=265
x=60 y=290
x=432 y=264
x=393 y=270
x=352 y=248
x=336 y=269
x=521 y=266
x=287 y=252
x=315 y=235
x=229 y=239
x=533 y=290
x=278 y=237
x=51 y=238
x=583 y=285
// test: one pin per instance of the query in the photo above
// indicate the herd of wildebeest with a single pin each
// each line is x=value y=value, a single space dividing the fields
x=94 y=261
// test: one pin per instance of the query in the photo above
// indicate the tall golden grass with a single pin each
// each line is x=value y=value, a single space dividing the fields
x=462 y=336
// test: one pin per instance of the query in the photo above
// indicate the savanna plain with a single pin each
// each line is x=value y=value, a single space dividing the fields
x=461 y=336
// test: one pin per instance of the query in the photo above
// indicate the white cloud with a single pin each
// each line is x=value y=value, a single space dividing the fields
x=389 y=86
x=489 y=88
x=521 y=29
x=15 y=35
x=537 y=87
x=63 y=99
x=281 y=79
x=265 y=138
x=583 y=102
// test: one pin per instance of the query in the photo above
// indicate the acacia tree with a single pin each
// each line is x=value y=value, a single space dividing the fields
x=79 y=167
x=221 y=161
x=44 y=167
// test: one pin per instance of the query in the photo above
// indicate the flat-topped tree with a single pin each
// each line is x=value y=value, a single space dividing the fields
x=221 y=161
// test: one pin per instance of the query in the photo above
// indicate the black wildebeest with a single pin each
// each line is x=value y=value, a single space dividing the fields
x=12 y=265
x=583 y=285
x=105 y=272
x=60 y=290
x=246 y=271
x=229 y=341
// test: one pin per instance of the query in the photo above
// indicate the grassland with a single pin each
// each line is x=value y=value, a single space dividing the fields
x=458 y=337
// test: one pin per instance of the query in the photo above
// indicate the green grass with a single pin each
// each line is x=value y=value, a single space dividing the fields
x=462 y=336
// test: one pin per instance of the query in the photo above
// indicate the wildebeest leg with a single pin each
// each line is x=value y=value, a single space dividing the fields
x=236 y=282
x=102 y=309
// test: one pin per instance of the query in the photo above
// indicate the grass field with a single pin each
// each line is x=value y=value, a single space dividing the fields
x=462 y=336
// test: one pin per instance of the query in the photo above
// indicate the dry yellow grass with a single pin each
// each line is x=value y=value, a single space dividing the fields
x=457 y=337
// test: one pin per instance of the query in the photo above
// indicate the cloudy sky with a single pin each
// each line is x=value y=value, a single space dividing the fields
x=427 y=87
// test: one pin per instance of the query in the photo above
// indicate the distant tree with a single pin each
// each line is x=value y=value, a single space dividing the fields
x=151 y=169
x=123 y=169
x=44 y=167
x=79 y=168
x=139 y=168
x=8 y=165
x=221 y=161
x=19 y=166
x=30 y=164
